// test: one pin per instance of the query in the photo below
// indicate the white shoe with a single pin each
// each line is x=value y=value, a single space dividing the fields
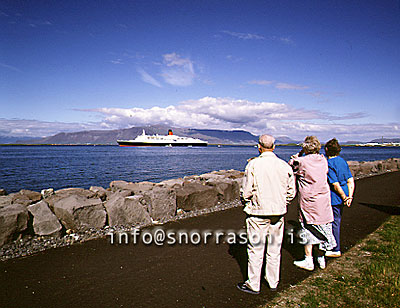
x=321 y=262
x=333 y=254
x=305 y=264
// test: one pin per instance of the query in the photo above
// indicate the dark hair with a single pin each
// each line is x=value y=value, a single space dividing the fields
x=332 y=147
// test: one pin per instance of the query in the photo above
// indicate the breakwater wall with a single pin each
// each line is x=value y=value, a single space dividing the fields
x=67 y=211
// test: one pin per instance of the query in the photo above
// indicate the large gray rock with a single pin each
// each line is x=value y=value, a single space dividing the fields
x=13 y=220
x=79 y=213
x=5 y=201
x=100 y=192
x=67 y=192
x=135 y=188
x=126 y=211
x=173 y=183
x=194 y=196
x=25 y=197
x=161 y=202
x=44 y=220
x=228 y=189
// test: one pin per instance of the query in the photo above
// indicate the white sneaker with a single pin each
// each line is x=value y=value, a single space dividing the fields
x=305 y=264
x=333 y=254
x=321 y=262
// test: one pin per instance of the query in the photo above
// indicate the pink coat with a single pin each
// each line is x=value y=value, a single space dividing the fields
x=313 y=189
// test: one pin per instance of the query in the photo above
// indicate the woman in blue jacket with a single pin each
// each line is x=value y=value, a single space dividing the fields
x=341 y=183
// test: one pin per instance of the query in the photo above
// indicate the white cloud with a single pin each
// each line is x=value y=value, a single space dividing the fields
x=261 y=82
x=256 y=117
x=146 y=77
x=283 y=39
x=278 y=85
x=288 y=86
x=13 y=68
x=35 y=128
x=117 y=61
x=218 y=113
x=244 y=36
x=177 y=71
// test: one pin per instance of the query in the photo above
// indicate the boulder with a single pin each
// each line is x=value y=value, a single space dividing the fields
x=135 y=188
x=129 y=210
x=161 y=202
x=66 y=192
x=5 y=200
x=228 y=189
x=194 y=196
x=214 y=176
x=75 y=191
x=44 y=220
x=172 y=183
x=100 y=192
x=3 y=192
x=79 y=213
x=25 y=197
x=13 y=220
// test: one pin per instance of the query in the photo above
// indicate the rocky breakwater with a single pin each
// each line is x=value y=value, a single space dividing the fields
x=32 y=221
x=71 y=213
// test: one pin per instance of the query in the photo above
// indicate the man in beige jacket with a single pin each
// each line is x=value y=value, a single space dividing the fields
x=268 y=186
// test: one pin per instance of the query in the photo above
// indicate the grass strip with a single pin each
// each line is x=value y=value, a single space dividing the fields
x=368 y=275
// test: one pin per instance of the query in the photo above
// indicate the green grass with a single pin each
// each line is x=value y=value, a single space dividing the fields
x=366 y=276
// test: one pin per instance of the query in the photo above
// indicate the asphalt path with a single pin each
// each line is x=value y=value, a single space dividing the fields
x=101 y=274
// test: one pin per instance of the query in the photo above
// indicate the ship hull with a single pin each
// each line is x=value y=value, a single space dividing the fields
x=125 y=143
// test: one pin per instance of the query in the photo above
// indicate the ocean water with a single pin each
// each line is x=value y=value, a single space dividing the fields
x=41 y=167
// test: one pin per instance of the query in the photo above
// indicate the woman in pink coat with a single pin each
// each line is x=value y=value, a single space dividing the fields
x=315 y=212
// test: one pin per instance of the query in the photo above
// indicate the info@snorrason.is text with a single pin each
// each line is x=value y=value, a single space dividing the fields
x=162 y=237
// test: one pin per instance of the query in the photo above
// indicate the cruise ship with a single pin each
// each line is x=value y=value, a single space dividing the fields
x=162 y=140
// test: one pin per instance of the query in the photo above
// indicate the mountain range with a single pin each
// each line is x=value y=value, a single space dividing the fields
x=110 y=137
x=213 y=136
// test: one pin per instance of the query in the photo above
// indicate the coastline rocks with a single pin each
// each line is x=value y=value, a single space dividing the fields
x=44 y=220
x=194 y=196
x=373 y=167
x=127 y=210
x=13 y=220
x=79 y=213
x=126 y=204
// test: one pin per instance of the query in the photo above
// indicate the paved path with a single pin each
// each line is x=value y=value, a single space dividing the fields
x=98 y=274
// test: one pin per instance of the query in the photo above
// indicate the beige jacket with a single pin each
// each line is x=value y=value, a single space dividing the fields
x=268 y=185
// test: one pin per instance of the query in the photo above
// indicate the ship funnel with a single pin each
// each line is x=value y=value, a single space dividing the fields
x=170 y=132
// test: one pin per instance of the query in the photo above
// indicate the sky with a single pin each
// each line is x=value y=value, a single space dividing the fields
x=286 y=68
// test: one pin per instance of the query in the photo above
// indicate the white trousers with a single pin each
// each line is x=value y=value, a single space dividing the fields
x=263 y=232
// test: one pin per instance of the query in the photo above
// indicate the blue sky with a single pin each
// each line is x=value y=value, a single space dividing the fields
x=288 y=68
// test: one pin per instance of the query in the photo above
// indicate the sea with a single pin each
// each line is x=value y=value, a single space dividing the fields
x=41 y=167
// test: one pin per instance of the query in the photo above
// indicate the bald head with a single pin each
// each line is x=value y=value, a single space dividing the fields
x=266 y=142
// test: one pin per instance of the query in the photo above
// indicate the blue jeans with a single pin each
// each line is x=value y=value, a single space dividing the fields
x=337 y=218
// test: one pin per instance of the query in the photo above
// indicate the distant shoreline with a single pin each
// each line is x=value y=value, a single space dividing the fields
x=210 y=144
